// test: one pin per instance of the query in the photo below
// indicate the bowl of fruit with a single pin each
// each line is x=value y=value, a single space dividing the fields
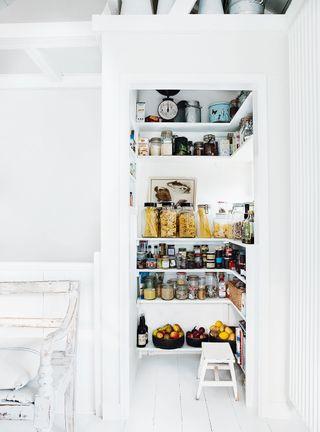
x=196 y=336
x=168 y=337
x=220 y=332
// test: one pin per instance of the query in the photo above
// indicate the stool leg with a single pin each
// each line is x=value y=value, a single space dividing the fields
x=201 y=380
x=200 y=365
x=234 y=381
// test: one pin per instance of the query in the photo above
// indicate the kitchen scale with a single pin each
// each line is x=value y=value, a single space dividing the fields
x=168 y=109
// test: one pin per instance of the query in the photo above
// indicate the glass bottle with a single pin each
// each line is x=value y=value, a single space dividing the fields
x=142 y=333
x=222 y=287
x=247 y=229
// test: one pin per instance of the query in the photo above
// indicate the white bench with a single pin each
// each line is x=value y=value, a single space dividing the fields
x=216 y=356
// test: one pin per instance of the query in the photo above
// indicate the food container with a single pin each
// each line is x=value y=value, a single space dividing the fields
x=201 y=293
x=151 y=220
x=220 y=223
x=165 y=262
x=181 y=278
x=196 y=343
x=198 y=148
x=181 y=146
x=246 y=6
x=224 y=147
x=187 y=223
x=168 y=343
x=193 y=111
x=166 y=142
x=193 y=282
x=149 y=291
x=203 y=221
x=219 y=112
x=143 y=147
x=182 y=292
x=155 y=146
x=167 y=292
x=168 y=220
x=211 y=285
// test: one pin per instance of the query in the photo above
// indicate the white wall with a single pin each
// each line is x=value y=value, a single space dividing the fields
x=304 y=37
x=228 y=52
x=49 y=174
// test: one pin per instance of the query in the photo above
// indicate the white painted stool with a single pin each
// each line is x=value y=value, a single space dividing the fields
x=216 y=356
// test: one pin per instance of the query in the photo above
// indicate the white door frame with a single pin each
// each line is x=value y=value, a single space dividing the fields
x=119 y=305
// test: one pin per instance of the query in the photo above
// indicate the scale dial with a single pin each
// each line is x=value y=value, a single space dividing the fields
x=168 y=109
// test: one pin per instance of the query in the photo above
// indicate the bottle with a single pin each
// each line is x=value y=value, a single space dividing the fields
x=222 y=287
x=142 y=333
x=149 y=253
x=156 y=252
x=247 y=229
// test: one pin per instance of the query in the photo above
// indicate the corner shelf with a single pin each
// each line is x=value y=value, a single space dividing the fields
x=245 y=109
x=193 y=240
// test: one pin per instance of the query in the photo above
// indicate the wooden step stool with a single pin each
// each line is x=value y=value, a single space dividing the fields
x=216 y=356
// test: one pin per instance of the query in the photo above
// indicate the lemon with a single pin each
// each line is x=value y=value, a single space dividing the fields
x=223 y=335
x=218 y=324
x=228 y=330
x=232 y=337
x=222 y=329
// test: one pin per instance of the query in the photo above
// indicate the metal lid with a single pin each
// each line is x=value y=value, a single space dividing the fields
x=150 y=204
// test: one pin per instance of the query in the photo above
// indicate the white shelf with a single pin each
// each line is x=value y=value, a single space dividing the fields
x=183 y=302
x=245 y=109
x=150 y=349
x=175 y=302
x=202 y=270
x=194 y=240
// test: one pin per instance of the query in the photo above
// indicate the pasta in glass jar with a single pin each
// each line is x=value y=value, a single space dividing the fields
x=151 y=220
x=187 y=223
x=204 y=224
x=168 y=220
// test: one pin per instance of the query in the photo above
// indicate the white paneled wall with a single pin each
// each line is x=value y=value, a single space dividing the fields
x=86 y=402
x=304 y=43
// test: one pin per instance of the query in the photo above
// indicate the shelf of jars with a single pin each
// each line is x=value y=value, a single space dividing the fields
x=232 y=126
x=201 y=270
x=193 y=240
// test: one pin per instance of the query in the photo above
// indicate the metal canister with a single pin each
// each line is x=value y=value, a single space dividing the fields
x=246 y=6
x=193 y=112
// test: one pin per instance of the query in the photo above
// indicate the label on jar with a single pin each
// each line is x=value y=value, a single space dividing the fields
x=210 y=264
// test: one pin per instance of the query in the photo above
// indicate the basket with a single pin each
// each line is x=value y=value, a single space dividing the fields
x=168 y=344
x=196 y=343
x=235 y=295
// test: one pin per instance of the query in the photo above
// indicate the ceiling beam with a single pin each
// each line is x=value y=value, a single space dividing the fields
x=182 y=7
x=111 y=8
x=40 y=60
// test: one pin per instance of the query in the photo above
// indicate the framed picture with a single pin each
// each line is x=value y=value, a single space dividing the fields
x=175 y=189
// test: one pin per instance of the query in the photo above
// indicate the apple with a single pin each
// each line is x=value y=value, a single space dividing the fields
x=166 y=336
x=180 y=334
x=191 y=336
x=174 y=335
x=176 y=327
x=196 y=334
x=201 y=330
x=160 y=335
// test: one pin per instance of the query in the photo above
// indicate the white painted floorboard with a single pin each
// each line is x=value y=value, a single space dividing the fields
x=164 y=401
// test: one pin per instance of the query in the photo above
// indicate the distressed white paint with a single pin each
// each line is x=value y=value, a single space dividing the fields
x=304 y=37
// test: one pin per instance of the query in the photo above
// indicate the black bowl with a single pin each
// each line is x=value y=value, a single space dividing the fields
x=168 y=344
x=196 y=343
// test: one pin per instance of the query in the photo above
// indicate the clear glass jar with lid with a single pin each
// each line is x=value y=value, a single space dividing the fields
x=187 y=222
x=168 y=220
x=203 y=221
x=193 y=282
x=166 y=143
x=155 y=146
x=149 y=291
x=168 y=290
x=182 y=292
x=150 y=220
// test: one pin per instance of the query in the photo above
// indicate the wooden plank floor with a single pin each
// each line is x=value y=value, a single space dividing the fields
x=164 y=401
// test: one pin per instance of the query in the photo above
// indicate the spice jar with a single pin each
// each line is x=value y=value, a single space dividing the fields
x=167 y=291
x=143 y=146
x=155 y=146
x=187 y=223
x=168 y=220
x=182 y=258
x=165 y=262
x=209 y=145
x=181 y=278
x=149 y=292
x=193 y=286
x=198 y=148
x=211 y=285
x=151 y=220
x=204 y=225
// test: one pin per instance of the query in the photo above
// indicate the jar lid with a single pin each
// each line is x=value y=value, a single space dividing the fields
x=167 y=204
x=150 y=204
x=155 y=140
x=186 y=204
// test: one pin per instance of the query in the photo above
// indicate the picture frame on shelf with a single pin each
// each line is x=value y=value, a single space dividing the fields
x=175 y=189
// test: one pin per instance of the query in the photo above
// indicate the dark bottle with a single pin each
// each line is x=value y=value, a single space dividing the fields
x=219 y=258
x=149 y=254
x=142 y=333
x=156 y=252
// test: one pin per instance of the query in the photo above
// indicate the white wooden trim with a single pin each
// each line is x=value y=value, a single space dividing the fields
x=36 y=287
x=40 y=60
x=30 y=322
x=39 y=81
x=97 y=336
x=182 y=7
x=111 y=8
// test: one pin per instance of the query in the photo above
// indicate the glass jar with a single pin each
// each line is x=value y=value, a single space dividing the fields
x=201 y=293
x=149 y=291
x=181 y=278
x=234 y=106
x=166 y=143
x=181 y=146
x=167 y=292
x=198 y=148
x=204 y=225
x=141 y=260
x=220 y=225
x=165 y=262
x=168 y=220
x=143 y=146
x=151 y=220
x=182 y=292
x=155 y=146
x=193 y=282
x=211 y=285
x=209 y=145
x=224 y=147
x=182 y=258
x=187 y=223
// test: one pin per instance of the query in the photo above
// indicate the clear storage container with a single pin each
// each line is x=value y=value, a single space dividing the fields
x=187 y=223
x=203 y=221
x=168 y=220
x=150 y=220
x=193 y=282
